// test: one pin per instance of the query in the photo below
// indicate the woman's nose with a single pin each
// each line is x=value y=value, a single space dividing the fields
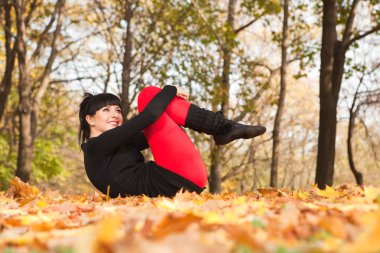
x=115 y=114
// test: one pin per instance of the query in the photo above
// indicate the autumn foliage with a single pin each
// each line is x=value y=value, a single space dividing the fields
x=341 y=219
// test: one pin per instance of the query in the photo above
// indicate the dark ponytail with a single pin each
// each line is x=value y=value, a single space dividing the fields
x=89 y=105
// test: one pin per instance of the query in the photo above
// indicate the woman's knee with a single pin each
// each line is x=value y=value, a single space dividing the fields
x=146 y=95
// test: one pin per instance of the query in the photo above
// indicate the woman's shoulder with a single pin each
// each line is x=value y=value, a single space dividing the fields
x=87 y=146
x=83 y=146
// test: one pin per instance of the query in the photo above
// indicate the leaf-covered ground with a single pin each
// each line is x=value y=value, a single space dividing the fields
x=341 y=219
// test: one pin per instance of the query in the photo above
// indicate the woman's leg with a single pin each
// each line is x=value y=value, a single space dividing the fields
x=201 y=120
x=177 y=109
x=171 y=146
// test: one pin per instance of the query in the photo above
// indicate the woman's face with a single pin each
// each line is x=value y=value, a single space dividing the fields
x=104 y=119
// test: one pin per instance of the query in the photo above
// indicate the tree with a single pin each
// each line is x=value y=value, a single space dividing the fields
x=367 y=98
x=29 y=100
x=333 y=53
x=281 y=100
x=55 y=143
x=222 y=94
x=10 y=54
x=226 y=39
x=139 y=37
x=294 y=41
x=127 y=59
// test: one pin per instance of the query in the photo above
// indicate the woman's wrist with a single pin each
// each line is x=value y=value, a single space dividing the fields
x=182 y=93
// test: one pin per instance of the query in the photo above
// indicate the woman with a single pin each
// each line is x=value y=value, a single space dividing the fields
x=111 y=149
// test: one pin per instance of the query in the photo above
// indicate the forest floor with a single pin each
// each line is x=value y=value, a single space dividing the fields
x=340 y=219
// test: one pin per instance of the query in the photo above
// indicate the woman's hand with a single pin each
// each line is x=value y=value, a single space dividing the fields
x=181 y=93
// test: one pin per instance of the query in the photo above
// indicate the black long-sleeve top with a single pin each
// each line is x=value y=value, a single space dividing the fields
x=114 y=159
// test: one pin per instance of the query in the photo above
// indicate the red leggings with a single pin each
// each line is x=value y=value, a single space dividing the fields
x=171 y=146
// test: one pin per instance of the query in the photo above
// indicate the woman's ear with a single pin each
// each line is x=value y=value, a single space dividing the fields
x=90 y=120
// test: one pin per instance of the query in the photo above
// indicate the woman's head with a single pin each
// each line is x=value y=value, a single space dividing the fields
x=97 y=114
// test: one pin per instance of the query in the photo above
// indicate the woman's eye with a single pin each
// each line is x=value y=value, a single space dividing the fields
x=106 y=110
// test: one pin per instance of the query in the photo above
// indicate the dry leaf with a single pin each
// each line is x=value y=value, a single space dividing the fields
x=338 y=219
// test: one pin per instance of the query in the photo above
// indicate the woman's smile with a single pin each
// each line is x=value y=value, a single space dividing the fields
x=114 y=123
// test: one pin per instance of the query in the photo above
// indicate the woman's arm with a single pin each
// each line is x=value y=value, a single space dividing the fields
x=109 y=141
x=140 y=142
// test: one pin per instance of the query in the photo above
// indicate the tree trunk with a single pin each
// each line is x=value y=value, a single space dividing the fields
x=358 y=176
x=29 y=104
x=127 y=60
x=333 y=55
x=351 y=124
x=327 y=114
x=25 y=149
x=281 y=101
x=215 y=179
x=10 y=56
x=223 y=94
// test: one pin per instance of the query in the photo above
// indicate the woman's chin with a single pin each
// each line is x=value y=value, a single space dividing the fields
x=111 y=127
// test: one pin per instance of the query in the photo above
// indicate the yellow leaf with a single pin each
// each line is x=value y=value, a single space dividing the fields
x=166 y=204
x=41 y=204
x=21 y=240
x=212 y=218
x=109 y=229
x=199 y=201
x=27 y=220
x=300 y=194
x=239 y=200
x=230 y=217
x=371 y=193
x=329 y=192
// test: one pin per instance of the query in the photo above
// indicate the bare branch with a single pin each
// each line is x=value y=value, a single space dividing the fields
x=361 y=36
x=350 y=22
x=74 y=79
x=67 y=45
x=108 y=26
x=241 y=28
x=33 y=6
x=44 y=34
x=46 y=75
x=235 y=170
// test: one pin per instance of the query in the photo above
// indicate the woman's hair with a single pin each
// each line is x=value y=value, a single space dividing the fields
x=89 y=105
